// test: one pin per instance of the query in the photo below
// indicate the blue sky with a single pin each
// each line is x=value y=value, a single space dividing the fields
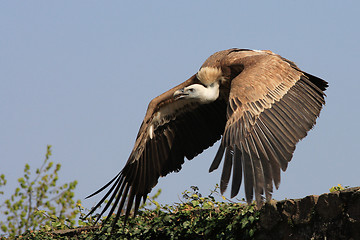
x=79 y=74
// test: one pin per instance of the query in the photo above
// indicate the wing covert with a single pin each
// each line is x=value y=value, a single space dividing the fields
x=272 y=105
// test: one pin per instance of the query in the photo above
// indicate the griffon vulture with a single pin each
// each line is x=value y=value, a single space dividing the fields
x=258 y=103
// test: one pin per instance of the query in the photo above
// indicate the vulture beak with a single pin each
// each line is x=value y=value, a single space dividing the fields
x=180 y=94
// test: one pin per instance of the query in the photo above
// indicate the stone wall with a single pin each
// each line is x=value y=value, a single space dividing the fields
x=328 y=216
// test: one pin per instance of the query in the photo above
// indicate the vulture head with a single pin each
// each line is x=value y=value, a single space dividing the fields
x=207 y=90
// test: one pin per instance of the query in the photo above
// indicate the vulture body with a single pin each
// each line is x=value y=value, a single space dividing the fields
x=258 y=102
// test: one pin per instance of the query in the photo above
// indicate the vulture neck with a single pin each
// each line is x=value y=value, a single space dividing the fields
x=208 y=94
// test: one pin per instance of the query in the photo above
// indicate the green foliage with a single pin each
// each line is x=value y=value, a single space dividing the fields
x=39 y=209
x=38 y=202
x=197 y=217
x=339 y=187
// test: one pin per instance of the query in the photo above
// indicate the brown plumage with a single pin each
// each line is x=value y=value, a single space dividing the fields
x=258 y=102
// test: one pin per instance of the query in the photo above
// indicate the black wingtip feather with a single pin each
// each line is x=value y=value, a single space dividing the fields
x=237 y=173
x=105 y=186
x=118 y=197
x=103 y=199
x=225 y=176
x=320 y=83
x=218 y=157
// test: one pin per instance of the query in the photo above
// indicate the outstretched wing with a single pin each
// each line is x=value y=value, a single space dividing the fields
x=172 y=129
x=272 y=105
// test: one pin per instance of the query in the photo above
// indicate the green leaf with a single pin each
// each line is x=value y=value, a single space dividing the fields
x=186 y=224
x=251 y=232
x=244 y=222
x=195 y=203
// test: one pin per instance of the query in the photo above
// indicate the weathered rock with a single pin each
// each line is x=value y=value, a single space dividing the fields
x=329 y=206
x=269 y=216
x=354 y=207
x=328 y=216
x=288 y=207
x=305 y=209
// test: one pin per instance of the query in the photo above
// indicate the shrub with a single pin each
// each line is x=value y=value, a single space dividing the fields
x=38 y=202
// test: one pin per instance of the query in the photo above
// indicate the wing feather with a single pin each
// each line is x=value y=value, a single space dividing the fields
x=248 y=174
x=258 y=142
x=137 y=204
x=272 y=105
x=270 y=152
x=237 y=173
x=186 y=134
x=225 y=176
x=218 y=158
x=282 y=142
